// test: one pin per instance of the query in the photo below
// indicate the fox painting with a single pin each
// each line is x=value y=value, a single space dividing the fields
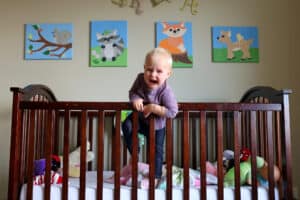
x=174 y=42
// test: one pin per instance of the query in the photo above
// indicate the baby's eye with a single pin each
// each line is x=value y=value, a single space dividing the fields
x=149 y=70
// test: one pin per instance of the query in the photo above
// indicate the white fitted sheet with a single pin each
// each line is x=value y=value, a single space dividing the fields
x=91 y=182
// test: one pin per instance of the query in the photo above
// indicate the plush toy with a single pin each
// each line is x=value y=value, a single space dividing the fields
x=245 y=172
x=263 y=175
x=245 y=154
x=55 y=178
x=228 y=158
x=74 y=160
x=39 y=166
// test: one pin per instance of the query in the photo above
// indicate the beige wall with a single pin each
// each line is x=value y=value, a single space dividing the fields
x=206 y=81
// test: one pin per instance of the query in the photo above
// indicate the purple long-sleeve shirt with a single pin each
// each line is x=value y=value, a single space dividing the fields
x=163 y=96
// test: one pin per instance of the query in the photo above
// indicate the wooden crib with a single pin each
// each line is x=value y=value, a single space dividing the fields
x=41 y=124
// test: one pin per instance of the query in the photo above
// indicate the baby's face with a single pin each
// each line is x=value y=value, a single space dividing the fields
x=156 y=71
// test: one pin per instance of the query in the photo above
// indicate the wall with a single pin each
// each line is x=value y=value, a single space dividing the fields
x=206 y=81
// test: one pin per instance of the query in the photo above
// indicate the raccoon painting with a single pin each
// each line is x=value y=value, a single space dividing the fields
x=112 y=45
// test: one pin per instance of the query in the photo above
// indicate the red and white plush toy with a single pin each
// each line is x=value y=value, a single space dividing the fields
x=56 y=178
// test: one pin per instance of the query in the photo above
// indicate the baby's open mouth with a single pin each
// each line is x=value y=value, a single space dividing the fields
x=154 y=81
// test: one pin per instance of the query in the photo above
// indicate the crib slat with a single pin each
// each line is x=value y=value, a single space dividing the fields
x=253 y=138
x=117 y=143
x=279 y=151
x=186 y=159
x=48 y=151
x=15 y=145
x=55 y=134
x=151 y=158
x=30 y=155
x=220 y=154
x=83 y=148
x=237 y=137
x=203 y=158
x=270 y=155
x=261 y=150
x=100 y=155
x=169 y=157
x=287 y=144
x=65 y=161
x=194 y=143
x=90 y=138
x=134 y=163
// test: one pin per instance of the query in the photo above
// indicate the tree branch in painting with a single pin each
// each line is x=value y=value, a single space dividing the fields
x=50 y=48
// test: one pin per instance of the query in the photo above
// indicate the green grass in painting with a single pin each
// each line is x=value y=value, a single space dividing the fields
x=121 y=61
x=183 y=65
x=220 y=55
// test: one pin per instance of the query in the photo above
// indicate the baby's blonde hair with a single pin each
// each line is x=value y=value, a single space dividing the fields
x=158 y=51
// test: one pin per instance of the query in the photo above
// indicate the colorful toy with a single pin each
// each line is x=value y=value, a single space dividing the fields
x=40 y=169
x=40 y=165
x=74 y=160
x=245 y=172
x=245 y=154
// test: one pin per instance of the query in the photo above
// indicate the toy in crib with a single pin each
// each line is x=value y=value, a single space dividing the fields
x=245 y=171
x=74 y=160
x=177 y=176
x=56 y=166
x=40 y=168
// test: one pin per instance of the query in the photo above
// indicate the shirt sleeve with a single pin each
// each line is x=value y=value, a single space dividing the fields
x=170 y=103
x=135 y=91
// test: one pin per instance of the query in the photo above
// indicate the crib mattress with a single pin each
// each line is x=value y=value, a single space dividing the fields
x=91 y=182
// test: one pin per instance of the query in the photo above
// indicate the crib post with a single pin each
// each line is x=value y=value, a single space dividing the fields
x=287 y=140
x=14 y=162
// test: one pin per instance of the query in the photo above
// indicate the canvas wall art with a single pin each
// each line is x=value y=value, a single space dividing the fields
x=176 y=37
x=235 y=44
x=108 y=44
x=48 y=41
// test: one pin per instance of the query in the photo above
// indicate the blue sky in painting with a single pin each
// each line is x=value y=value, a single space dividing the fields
x=247 y=32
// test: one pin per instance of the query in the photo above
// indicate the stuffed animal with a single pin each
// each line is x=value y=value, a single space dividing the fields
x=39 y=168
x=245 y=172
x=263 y=175
x=74 y=160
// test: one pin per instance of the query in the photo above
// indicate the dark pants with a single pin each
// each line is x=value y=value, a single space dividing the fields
x=143 y=128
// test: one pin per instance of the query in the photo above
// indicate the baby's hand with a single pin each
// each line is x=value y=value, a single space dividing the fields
x=154 y=108
x=138 y=105
x=148 y=110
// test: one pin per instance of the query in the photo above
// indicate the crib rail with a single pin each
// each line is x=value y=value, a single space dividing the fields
x=258 y=126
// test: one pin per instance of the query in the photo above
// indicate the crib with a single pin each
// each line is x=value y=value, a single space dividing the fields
x=42 y=126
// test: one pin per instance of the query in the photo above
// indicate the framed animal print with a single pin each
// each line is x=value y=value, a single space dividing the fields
x=108 y=44
x=176 y=37
x=48 y=41
x=235 y=44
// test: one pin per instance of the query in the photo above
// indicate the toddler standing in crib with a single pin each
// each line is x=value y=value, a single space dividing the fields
x=151 y=94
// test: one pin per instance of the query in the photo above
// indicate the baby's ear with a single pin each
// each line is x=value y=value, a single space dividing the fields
x=170 y=73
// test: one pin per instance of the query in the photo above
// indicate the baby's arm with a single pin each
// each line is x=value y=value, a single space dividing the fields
x=155 y=109
x=167 y=108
